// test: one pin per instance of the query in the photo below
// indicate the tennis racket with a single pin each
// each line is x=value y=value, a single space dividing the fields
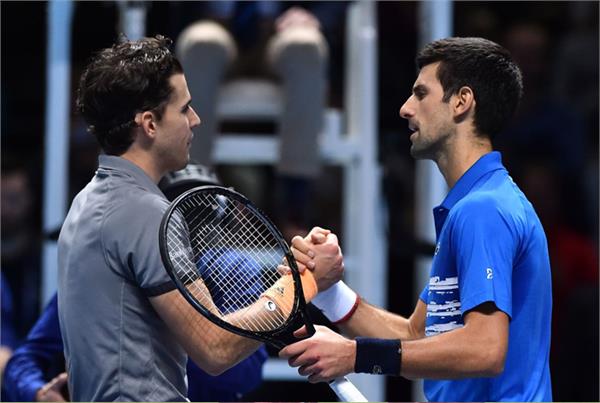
x=225 y=257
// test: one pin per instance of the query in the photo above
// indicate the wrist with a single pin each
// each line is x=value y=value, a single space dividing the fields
x=378 y=356
x=337 y=303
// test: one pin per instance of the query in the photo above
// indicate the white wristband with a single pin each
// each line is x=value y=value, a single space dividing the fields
x=337 y=303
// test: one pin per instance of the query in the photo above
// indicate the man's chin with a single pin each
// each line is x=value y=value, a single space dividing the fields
x=421 y=153
x=417 y=153
x=183 y=163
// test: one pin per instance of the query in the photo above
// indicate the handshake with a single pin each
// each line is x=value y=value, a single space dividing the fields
x=321 y=266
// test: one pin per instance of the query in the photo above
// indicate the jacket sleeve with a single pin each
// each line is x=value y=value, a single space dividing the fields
x=33 y=363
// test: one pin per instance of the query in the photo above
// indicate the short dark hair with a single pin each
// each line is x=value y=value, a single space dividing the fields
x=485 y=67
x=120 y=81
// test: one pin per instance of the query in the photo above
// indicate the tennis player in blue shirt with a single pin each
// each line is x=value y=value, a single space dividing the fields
x=481 y=327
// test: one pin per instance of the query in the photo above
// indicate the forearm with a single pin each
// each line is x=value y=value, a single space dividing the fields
x=478 y=349
x=371 y=321
x=23 y=378
x=212 y=348
x=226 y=350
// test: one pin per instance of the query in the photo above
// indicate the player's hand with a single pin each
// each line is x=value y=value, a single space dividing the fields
x=323 y=357
x=302 y=252
x=296 y=17
x=51 y=392
x=322 y=255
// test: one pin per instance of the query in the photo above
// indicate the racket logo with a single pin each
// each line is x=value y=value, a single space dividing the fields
x=280 y=290
x=270 y=306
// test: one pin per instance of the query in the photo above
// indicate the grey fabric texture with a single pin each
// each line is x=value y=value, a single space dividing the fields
x=116 y=345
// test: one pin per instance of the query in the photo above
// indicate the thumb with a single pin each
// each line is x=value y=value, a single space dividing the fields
x=301 y=333
x=318 y=238
x=59 y=381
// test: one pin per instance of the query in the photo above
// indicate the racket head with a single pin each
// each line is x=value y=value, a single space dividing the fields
x=217 y=235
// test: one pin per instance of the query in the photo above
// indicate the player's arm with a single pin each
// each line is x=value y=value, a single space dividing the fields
x=25 y=377
x=371 y=321
x=211 y=347
x=478 y=349
x=343 y=306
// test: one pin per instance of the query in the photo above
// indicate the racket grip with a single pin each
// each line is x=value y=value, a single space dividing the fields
x=346 y=391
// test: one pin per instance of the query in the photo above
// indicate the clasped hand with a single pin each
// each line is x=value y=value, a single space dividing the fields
x=320 y=252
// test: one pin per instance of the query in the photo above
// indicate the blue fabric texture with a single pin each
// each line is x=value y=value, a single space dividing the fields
x=8 y=336
x=37 y=360
x=491 y=247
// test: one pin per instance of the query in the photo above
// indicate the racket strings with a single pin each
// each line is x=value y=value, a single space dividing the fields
x=244 y=318
x=233 y=251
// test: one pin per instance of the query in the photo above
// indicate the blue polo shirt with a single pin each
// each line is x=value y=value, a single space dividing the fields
x=491 y=247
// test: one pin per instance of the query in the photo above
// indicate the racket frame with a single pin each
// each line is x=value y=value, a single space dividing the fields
x=279 y=337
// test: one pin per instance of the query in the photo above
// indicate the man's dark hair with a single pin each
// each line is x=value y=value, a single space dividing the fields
x=485 y=67
x=120 y=81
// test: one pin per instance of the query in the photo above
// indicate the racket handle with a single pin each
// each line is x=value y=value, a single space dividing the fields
x=346 y=391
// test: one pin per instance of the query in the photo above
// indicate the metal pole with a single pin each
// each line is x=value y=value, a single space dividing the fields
x=58 y=101
x=364 y=228
x=132 y=19
x=435 y=22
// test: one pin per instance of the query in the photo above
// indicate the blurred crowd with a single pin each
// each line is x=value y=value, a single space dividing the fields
x=550 y=148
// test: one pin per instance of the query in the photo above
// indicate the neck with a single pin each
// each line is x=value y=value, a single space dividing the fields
x=460 y=156
x=145 y=162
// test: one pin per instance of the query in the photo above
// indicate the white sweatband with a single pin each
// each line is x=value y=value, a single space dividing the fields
x=337 y=303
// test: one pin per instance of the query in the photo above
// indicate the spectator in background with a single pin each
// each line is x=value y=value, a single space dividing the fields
x=542 y=122
x=273 y=40
x=575 y=70
x=575 y=83
x=36 y=370
x=20 y=243
x=8 y=337
x=554 y=129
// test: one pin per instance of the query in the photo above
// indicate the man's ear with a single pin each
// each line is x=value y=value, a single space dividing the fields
x=463 y=102
x=147 y=121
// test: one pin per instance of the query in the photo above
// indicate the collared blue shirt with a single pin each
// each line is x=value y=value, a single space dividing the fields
x=491 y=247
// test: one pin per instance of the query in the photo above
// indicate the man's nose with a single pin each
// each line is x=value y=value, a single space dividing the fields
x=406 y=112
x=195 y=121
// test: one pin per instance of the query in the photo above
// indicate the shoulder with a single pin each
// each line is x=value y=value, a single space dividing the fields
x=137 y=201
x=499 y=197
x=135 y=211
x=487 y=213
x=477 y=206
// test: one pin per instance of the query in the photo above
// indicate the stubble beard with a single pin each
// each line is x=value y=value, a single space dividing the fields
x=430 y=148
